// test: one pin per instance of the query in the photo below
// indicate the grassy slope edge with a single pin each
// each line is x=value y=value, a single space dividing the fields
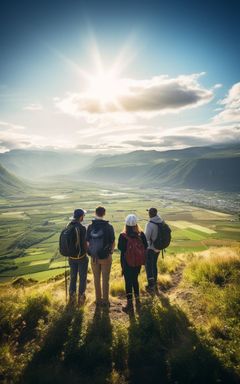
x=189 y=335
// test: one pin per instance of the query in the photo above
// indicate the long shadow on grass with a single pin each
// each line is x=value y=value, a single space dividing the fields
x=164 y=348
x=70 y=354
x=46 y=364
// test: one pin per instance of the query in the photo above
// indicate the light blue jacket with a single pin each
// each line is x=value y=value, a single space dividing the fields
x=151 y=231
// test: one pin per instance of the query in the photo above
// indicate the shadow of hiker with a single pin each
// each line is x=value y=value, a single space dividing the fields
x=46 y=365
x=70 y=354
x=164 y=348
x=97 y=348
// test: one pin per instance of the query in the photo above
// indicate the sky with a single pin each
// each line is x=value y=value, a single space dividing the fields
x=117 y=76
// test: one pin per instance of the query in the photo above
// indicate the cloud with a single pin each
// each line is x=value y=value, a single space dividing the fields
x=231 y=107
x=13 y=136
x=33 y=107
x=124 y=131
x=217 y=86
x=157 y=95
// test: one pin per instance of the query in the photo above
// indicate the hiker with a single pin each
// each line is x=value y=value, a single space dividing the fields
x=78 y=263
x=133 y=244
x=101 y=243
x=151 y=232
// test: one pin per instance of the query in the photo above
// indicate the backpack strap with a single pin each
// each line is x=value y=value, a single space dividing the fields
x=156 y=223
x=78 y=240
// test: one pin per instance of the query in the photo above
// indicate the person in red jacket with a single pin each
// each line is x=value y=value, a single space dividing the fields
x=132 y=244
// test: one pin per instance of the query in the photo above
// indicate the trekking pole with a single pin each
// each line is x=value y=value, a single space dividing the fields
x=66 y=279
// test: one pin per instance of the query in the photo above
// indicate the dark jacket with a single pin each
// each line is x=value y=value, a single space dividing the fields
x=82 y=236
x=122 y=245
x=109 y=236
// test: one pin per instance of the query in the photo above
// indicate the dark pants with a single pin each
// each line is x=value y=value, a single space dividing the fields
x=131 y=281
x=151 y=267
x=78 y=267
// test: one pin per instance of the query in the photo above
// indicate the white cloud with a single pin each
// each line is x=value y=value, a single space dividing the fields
x=126 y=131
x=33 y=107
x=231 y=107
x=13 y=136
x=158 y=95
x=217 y=86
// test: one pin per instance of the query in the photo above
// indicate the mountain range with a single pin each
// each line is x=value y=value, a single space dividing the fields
x=213 y=168
x=10 y=184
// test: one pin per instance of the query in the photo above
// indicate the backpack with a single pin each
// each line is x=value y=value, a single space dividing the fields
x=135 y=254
x=69 y=241
x=163 y=237
x=97 y=247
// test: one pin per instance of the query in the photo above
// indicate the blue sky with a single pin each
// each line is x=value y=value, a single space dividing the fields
x=119 y=75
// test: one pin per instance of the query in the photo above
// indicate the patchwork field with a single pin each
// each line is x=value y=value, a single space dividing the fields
x=30 y=226
x=188 y=333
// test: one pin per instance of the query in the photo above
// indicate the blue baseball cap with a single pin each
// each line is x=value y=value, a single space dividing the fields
x=78 y=213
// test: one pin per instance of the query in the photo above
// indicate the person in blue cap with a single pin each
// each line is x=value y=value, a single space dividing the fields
x=79 y=264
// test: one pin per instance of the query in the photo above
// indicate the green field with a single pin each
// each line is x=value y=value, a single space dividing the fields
x=187 y=334
x=30 y=226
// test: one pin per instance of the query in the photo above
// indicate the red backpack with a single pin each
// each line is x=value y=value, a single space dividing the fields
x=135 y=254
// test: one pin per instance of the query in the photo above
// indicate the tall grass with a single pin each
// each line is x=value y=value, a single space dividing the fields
x=218 y=269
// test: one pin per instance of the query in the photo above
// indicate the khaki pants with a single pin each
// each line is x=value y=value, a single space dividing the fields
x=101 y=272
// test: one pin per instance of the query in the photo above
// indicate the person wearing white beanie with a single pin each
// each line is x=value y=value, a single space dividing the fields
x=132 y=244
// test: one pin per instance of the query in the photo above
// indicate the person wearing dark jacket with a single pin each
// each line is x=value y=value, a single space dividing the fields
x=79 y=264
x=130 y=273
x=101 y=243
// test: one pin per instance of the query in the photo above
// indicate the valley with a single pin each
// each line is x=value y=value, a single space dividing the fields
x=189 y=333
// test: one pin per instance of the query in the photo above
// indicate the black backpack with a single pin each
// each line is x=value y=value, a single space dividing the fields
x=163 y=237
x=69 y=241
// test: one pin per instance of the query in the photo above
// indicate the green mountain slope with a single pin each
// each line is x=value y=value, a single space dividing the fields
x=9 y=184
x=215 y=168
x=210 y=174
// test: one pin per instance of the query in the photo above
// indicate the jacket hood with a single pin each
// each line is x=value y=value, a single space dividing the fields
x=156 y=219
x=98 y=222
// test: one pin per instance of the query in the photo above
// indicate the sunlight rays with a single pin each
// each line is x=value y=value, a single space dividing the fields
x=103 y=84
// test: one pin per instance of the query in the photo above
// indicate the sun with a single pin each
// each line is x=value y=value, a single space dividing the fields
x=105 y=87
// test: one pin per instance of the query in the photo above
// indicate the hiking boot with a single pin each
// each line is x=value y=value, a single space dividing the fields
x=105 y=304
x=128 y=308
x=81 y=299
x=150 y=289
x=156 y=291
x=138 y=305
x=98 y=303
x=72 y=299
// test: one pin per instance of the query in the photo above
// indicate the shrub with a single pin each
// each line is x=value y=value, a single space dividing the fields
x=37 y=308
x=165 y=281
x=218 y=269
x=169 y=264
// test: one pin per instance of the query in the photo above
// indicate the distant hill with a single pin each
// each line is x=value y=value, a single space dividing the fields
x=9 y=184
x=33 y=164
x=220 y=174
x=210 y=168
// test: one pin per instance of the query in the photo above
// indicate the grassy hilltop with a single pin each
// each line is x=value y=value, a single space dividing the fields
x=190 y=334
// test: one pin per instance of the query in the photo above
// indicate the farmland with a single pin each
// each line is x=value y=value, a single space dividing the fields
x=194 y=323
x=30 y=225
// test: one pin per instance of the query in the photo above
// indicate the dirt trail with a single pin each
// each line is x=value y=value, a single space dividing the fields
x=115 y=310
x=176 y=279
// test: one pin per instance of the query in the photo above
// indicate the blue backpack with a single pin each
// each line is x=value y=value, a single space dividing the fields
x=97 y=243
